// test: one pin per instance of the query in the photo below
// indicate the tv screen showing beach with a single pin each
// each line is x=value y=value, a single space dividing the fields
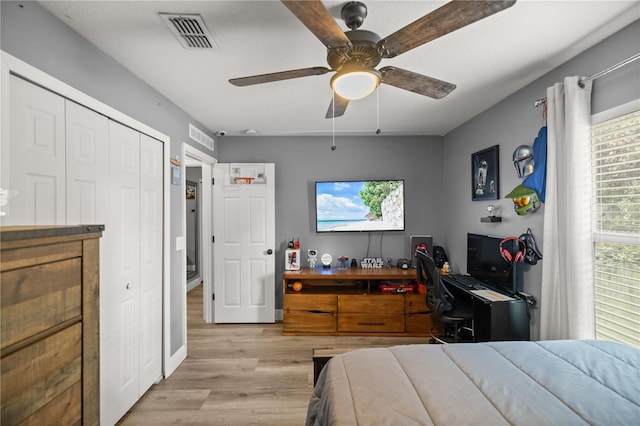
x=356 y=206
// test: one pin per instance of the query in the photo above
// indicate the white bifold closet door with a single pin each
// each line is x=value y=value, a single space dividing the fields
x=33 y=160
x=131 y=330
x=87 y=166
x=71 y=165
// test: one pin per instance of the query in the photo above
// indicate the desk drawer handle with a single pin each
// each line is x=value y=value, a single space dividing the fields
x=371 y=323
x=316 y=311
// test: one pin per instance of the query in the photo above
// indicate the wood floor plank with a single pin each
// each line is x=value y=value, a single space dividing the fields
x=241 y=374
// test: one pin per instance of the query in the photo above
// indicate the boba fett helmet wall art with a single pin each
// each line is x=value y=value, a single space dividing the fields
x=523 y=160
x=525 y=200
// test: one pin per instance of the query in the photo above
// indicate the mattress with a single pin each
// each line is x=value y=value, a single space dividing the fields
x=530 y=383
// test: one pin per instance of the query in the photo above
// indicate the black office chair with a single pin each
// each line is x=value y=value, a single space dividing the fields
x=456 y=319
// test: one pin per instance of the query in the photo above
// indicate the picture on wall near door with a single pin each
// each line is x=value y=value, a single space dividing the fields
x=485 y=174
x=191 y=190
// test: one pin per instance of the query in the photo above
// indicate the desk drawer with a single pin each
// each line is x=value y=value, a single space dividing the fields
x=371 y=323
x=371 y=303
x=37 y=298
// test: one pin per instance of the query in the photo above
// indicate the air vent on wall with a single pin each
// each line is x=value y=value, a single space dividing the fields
x=201 y=137
x=190 y=30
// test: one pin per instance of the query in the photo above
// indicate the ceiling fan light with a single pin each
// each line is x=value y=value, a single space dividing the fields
x=355 y=84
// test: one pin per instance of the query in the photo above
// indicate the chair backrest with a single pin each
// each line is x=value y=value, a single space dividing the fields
x=425 y=270
x=429 y=274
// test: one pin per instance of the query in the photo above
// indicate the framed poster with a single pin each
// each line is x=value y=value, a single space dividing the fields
x=485 y=174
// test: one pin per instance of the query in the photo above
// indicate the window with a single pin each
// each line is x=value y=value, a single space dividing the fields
x=615 y=164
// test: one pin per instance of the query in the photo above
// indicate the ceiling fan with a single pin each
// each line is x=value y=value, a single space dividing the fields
x=353 y=55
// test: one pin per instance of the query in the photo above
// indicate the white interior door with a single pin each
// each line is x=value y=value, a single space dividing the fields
x=119 y=347
x=87 y=157
x=33 y=159
x=150 y=295
x=244 y=231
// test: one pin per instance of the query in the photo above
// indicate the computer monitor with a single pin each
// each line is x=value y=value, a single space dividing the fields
x=485 y=262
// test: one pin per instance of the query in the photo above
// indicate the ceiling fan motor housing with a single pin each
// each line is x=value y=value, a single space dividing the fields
x=353 y=14
x=362 y=50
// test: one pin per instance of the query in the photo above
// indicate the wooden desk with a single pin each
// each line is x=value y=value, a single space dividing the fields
x=349 y=302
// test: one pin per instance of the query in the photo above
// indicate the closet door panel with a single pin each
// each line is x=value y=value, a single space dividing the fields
x=87 y=165
x=33 y=160
x=151 y=227
x=120 y=286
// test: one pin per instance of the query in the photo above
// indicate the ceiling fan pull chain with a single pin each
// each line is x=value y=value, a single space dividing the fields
x=333 y=121
x=378 y=131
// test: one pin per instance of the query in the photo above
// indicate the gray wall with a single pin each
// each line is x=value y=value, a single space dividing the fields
x=515 y=121
x=300 y=161
x=32 y=34
x=436 y=169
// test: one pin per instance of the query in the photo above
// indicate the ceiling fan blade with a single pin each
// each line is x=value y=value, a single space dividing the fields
x=417 y=83
x=316 y=17
x=340 y=106
x=450 y=17
x=277 y=76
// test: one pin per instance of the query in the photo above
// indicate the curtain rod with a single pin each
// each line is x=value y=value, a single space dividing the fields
x=610 y=69
x=581 y=82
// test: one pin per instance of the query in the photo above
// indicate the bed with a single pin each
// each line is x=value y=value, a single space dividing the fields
x=491 y=383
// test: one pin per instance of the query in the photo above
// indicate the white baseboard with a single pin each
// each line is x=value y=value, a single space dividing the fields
x=193 y=283
x=279 y=314
x=174 y=361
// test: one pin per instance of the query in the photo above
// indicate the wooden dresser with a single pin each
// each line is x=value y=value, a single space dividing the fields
x=49 y=313
x=349 y=302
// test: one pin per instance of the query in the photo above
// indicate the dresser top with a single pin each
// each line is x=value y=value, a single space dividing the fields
x=13 y=233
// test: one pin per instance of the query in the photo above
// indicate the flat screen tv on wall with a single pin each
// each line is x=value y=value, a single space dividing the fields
x=360 y=206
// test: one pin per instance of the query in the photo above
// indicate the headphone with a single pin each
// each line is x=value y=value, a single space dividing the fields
x=518 y=256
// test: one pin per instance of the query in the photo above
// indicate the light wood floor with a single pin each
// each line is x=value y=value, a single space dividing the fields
x=240 y=374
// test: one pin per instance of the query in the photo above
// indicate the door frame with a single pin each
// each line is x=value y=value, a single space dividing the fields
x=193 y=155
x=13 y=65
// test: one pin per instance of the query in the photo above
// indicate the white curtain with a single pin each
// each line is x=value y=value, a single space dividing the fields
x=567 y=295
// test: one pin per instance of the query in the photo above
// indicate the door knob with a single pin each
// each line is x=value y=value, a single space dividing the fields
x=269 y=251
x=128 y=286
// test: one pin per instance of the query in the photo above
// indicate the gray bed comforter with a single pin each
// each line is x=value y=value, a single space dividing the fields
x=493 y=383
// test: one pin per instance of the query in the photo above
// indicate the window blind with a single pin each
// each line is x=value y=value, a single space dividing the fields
x=616 y=227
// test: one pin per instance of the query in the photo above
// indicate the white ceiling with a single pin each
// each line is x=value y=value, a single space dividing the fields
x=488 y=60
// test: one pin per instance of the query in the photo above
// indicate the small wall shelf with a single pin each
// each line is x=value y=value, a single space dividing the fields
x=491 y=219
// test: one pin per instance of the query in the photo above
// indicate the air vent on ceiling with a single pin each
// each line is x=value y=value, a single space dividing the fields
x=190 y=30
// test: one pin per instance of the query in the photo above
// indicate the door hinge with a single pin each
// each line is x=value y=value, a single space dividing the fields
x=213 y=239
x=213 y=296
x=213 y=181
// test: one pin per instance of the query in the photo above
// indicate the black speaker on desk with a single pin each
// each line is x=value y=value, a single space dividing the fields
x=415 y=241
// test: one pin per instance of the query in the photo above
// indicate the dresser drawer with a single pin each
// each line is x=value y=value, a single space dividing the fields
x=312 y=313
x=371 y=303
x=420 y=323
x=311 y=302
x=42 y=381
x=309 y=321
x=415 y=303
x=371 y=323
x=37 y=298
